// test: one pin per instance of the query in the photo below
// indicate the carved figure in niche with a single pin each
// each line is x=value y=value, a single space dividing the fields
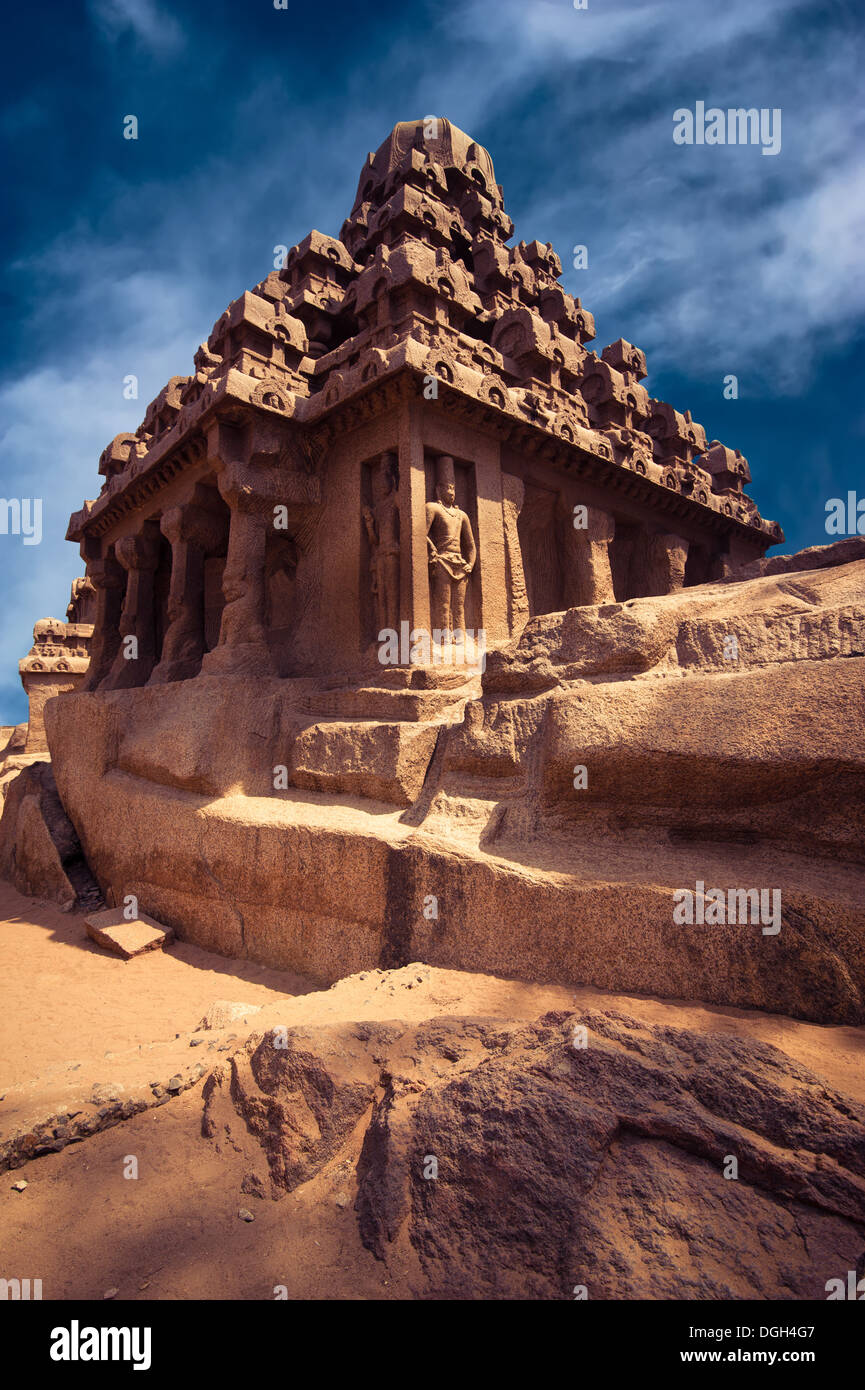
x=452 y=555
x=382 y=528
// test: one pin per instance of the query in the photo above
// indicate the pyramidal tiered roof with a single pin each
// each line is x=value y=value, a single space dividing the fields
x=421 y=292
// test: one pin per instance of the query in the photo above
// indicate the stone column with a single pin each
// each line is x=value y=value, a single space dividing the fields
x=193 y=534
x=139 y=555
x=622 y=562
x=260 y=467
x=414 y=554
x=490 y=586
x=587 y=575
x=666 y=557
x=513 y=496
x=242 y=646
x=108 y=579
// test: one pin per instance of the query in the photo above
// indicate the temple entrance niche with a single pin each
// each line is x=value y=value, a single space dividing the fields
x=458 y=563
x=538 y=528
x=701 y=566
x=280 y=591
x=622 y=550
x=214 y=568
x=565 y=542
x=161 y=590
x=380 y=546
x=138 y=553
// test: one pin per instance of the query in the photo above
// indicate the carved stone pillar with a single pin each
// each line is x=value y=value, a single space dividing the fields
x=193 y=534
x=108 y=579
x=242 y=646
x=667 y=556
x=513 y=496
x=414 y=606
x=261 y=469
x=587 y=577
x=82 y=602
x=622 y=564
x=139 y=555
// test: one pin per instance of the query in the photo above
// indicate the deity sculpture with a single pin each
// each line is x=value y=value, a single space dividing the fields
x=452 y=554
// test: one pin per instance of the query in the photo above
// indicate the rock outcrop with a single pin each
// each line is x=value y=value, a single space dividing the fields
x=40 y=852
x=539 y=825
x=591 y=1152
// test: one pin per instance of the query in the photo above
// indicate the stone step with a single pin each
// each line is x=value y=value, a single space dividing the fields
x=126 y=937
x=381 y=702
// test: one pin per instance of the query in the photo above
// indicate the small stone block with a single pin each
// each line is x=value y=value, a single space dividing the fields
x=127 y=938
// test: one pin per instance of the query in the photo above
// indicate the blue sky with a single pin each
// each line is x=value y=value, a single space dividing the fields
x=253 y=126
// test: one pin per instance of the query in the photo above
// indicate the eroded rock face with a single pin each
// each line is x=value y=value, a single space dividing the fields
x=39 y=850
x=723 y=712
x=766 y=756
x=814 y=558
x=386 y=762
x=29 y=855
x=457 y=833
x=497 y=1160
x=778 y=615
x=299 y=1096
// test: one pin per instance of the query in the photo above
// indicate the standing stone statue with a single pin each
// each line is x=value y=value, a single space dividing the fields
x=382 y=528
x=452 y=555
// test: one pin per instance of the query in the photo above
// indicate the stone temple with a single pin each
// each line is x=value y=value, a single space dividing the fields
x=423 y=633
x=56 y=663
x=434 y=662
x=230 y=532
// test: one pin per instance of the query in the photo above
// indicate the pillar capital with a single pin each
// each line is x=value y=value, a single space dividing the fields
x=134 y=661
x=106 y=573
x=189 y=524
x=141 y=551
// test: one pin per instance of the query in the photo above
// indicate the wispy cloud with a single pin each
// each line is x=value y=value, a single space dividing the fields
x=153 y=27
x=711 y=256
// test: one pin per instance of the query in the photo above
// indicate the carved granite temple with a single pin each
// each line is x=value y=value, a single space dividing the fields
x=300 y=491
x=429 y=653
x=403 y=434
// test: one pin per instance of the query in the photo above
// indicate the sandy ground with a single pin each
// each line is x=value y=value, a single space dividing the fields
x=77 y=1024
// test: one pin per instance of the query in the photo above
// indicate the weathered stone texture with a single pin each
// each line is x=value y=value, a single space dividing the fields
x=560 y=1166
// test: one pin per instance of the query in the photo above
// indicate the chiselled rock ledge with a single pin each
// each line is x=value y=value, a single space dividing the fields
x=740 y=774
